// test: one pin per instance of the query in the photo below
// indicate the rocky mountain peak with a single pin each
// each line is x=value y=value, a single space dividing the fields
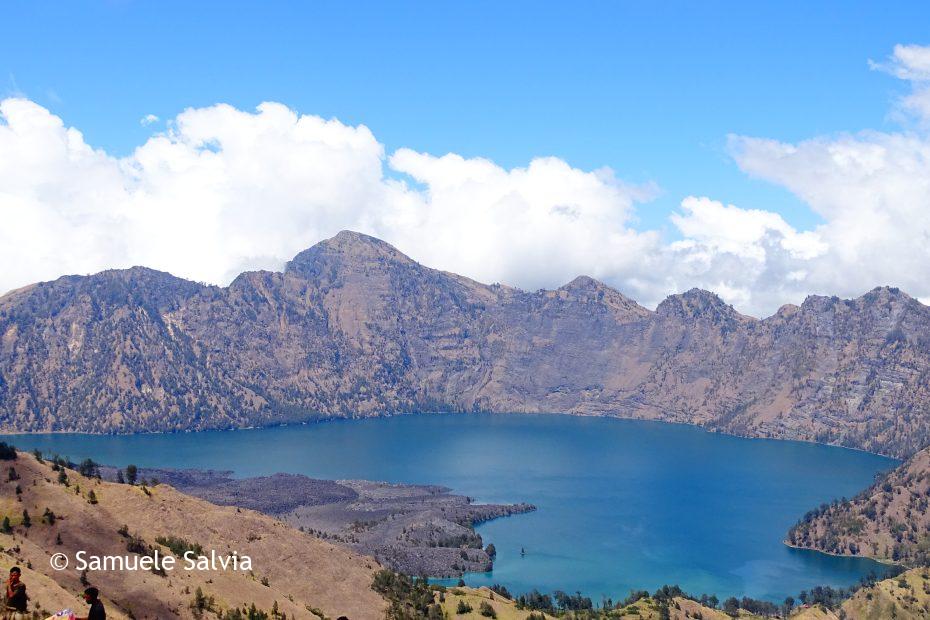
x=586 y=288
x=788 y=310
x=885 y=295
x=881 y=301
x=695 y=304
x=135 y=286
x=347 y=246
x=584 y=283
x=820 y=303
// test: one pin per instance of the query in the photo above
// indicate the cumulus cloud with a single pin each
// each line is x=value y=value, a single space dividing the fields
x=148 y=119
x=752 y=258
x=741 y=232
x=223 y=190
x=873 y=191
x=536 y=226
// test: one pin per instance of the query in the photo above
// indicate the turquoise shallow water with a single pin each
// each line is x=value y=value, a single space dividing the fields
x=622 y=504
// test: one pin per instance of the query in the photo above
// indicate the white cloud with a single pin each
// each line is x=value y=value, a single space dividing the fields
x=224 y=190
x=873 y=191
x=536 y=226
x=148 y=119
x=741 y=232
x=907 y=62
x=912 y=63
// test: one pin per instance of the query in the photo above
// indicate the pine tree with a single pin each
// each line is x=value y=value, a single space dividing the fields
x=200 y=600
x=89 y=469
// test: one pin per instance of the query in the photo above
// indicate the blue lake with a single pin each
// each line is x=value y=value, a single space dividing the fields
x=622 y=504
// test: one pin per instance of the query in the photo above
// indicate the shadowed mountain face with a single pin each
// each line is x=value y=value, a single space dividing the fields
x=352 y=327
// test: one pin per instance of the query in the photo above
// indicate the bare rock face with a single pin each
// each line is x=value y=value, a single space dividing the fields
x=352 y=327
x=889 y=521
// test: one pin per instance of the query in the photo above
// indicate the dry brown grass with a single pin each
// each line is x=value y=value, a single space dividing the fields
x=302 y=572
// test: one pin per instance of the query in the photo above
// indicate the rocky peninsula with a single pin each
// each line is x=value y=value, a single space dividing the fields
x=413 y=529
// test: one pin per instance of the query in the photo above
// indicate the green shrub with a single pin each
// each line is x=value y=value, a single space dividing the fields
x=179 y=546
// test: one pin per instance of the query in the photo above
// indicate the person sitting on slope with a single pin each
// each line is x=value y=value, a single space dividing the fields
x=96 y=611
x=16 y=599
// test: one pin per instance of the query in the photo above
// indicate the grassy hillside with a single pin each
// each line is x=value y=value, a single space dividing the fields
x=48 y=596
x=297 y=572
x=906 y=597
x=889 y=521
x=648 y=608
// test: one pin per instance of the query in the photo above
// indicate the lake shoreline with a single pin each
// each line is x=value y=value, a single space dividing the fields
x=610 y=491
x=330 y=419
x=882 y=561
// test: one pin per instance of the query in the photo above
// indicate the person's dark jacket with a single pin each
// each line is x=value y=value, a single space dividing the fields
x=17 y=599
x=96 y=612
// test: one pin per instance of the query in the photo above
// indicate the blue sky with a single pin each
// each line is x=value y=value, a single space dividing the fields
x=648 y=89
x=829 y=200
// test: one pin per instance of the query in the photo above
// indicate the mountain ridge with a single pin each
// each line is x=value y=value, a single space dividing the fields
x=353 y=240
x=353 y=327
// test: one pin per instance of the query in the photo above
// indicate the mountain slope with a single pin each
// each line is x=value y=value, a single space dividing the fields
x=889 y=521
x=352 y=327
x=302 y=571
